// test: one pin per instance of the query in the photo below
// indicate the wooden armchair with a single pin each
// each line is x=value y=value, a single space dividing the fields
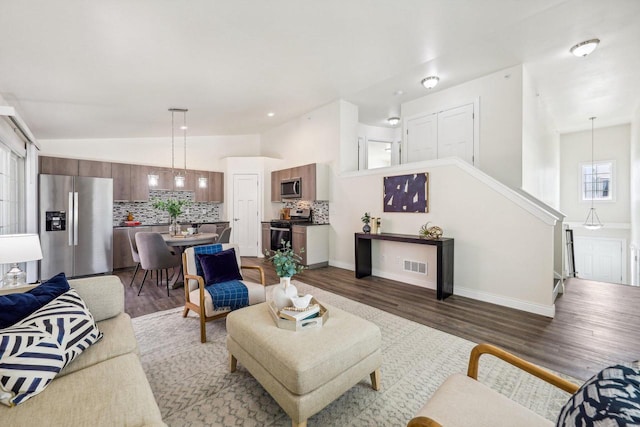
x=463 y=401
x=198 y=299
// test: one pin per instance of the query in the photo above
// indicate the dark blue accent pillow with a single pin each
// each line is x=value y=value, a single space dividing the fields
x=220 y=267
x=609 y=398
x=15 y=307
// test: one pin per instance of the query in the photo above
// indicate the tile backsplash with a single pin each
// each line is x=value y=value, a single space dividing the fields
x=319 y=209
x=147 y=214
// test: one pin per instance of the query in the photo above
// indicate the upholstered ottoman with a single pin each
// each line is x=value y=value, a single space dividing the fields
x=304 y=371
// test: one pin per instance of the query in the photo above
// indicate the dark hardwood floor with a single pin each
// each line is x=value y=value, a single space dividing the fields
x=596 y=324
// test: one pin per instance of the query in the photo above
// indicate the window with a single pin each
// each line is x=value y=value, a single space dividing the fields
x=11 y=195
x=597 y=181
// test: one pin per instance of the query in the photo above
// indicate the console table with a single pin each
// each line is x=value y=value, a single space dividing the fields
x=444 y=257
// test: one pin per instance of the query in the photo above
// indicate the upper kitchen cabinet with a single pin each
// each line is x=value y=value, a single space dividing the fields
x=121 y=174
x=314 y=179
x=58 y=166
x=94 y=169
x=139 y=183
x=216 y=187
x=209 y=186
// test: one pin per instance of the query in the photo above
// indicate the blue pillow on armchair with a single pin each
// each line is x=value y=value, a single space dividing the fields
x=17 y=306
x=220 y=267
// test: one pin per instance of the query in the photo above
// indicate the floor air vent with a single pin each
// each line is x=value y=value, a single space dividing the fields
x=415 y=266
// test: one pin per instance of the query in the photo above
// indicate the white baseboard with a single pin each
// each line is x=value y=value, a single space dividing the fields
x=339 y=264
x=404 y=279
x=543 y=310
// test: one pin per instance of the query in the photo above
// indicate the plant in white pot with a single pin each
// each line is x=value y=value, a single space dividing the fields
x=287 y=264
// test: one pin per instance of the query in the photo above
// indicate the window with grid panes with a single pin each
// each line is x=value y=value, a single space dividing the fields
x=597 y=181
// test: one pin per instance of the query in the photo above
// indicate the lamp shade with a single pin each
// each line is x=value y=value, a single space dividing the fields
x=15 y=248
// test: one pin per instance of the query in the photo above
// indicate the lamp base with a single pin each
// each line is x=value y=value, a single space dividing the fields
x=14 y=277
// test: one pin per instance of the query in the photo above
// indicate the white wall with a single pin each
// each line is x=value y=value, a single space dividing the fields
x=610 y=143
x=500 y=114
x=635 y=196
x=203 y=152
x=540 y=147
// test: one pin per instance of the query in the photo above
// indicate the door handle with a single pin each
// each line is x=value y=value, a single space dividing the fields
x=70 y=218
x=75 y=218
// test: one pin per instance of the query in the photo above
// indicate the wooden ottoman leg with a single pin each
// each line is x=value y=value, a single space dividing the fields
x=375 y=379
x=233 y=363
x=302 y=423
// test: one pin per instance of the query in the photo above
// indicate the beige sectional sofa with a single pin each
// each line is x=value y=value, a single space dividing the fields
x=105 y=385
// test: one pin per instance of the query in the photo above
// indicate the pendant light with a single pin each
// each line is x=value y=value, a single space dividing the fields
x=179 y=178
x=593 y=221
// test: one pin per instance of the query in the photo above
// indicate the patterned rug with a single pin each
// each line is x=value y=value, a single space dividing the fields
x=193 y=387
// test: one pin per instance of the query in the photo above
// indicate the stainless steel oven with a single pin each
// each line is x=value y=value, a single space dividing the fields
x=279 y=231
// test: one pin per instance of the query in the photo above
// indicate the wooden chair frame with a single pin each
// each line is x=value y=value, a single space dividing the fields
x=472 y=372
x=200 y=310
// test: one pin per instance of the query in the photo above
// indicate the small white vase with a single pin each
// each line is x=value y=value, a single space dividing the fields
x=283 y=292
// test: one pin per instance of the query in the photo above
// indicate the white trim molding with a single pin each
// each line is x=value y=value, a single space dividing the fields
x=541 y=309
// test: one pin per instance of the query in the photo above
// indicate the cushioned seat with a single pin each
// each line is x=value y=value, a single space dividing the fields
x=198 y=299
x=307 y=370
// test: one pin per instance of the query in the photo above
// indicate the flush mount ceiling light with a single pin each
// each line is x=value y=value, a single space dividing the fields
x=393 y=121
x=593 y=221
x=585 y=48
x=430 y=82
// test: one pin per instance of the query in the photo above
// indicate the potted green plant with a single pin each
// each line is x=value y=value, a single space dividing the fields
x=174 y=208
x=287 y=264
x=366 y=219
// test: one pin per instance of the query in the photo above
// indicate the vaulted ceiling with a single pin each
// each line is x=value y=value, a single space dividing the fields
x=78 y=69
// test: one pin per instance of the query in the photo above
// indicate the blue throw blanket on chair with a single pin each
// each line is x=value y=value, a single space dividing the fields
x=233 y=294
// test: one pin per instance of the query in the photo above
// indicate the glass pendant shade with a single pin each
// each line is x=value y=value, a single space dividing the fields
x=179 y=181
x=202 y=182
x=593 y=220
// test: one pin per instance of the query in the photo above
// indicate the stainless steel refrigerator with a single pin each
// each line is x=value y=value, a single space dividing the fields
x=76 y=225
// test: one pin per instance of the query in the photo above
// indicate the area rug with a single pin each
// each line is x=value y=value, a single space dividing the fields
x=193 y=386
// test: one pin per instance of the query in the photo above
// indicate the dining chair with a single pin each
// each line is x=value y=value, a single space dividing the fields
x=224 y=236
x=134 y=252
x=155 y=255
x=208 y=228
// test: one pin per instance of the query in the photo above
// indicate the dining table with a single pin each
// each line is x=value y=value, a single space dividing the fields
x=182 y=241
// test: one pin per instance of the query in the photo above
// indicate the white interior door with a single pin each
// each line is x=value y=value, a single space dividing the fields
x=455 y=133
x=246 y=213
x=422 y=139
x=600 y=259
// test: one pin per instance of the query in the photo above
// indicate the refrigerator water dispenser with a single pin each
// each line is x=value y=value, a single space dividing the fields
x=55 y=220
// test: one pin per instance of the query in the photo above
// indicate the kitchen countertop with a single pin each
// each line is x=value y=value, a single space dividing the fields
x=302 y=224
x=162 y=224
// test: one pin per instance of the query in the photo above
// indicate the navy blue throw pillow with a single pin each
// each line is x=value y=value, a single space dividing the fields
x=15 y=307
x=220 y=267
x=609 y=398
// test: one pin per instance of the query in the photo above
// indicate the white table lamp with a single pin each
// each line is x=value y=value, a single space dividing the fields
x=16 y=248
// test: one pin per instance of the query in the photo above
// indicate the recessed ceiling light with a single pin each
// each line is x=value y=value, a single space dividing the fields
x=271 y=114
x=585 y=48
x=183 y=127
x=393 y=121
x=398 y=92
x=430 y=82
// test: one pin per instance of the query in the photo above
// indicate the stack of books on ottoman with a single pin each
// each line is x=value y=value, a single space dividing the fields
x=314 y=316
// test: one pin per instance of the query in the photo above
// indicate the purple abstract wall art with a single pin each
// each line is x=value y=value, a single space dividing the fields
x=406 y=193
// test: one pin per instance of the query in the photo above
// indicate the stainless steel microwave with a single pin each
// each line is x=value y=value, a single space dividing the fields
x=291 y=188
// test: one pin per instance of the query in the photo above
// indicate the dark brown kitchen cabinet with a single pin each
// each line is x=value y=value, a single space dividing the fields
x=201 y=187
x=165 y=178
x=121 y=173
x=266 y=237
x=94 y=169
x=139 y=183
x=121 y=250
x=314 y=181
x=299 y=242
x=58 y=166
x=190 y=181
x=216 y=187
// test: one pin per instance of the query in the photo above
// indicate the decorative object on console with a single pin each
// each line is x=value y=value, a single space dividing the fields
x=366 y=218
x=406 y=193
x=433 y=232
x=287 y=264
x=17 y=248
